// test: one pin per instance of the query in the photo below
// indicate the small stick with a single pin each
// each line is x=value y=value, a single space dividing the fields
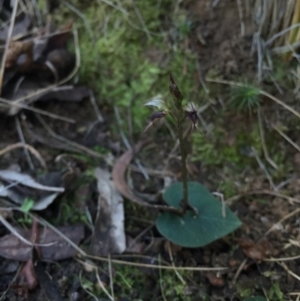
x=21 y=136
x=27 y=146
x=241 y=15
x=80 y=147
x=263 y=142
x=288 y=139
x=36 y=110
x=9 y=35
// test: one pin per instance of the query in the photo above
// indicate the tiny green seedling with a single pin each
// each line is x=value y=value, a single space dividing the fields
x=27 y=205
x=198 y=217
x=25 y=208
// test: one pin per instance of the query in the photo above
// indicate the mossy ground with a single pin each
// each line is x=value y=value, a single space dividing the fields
x=126 y=54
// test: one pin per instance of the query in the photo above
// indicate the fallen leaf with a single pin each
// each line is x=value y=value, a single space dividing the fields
x=134 y=246
x=109 y=233
x=15 y=49
x=18 y=187
x=118 y=174
x=215 y=279
x=57 y=248
x=256 y=251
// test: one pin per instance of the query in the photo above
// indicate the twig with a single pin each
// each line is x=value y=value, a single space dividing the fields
x=17 y=273
x=85 y=289
x=81 y=16
x=32 y=109
x=259 y=58
x=155 y=266
x=27 y=146
x=289 y=271
x=241 y=15
x=173 y=265
x=263 y=142
x=111 y=279
x=13 y=231
x=200 y=76
x=282 y=258
x=296 y=146
x=127 y=144
x=286 y=48
x=21 y=136
x=95 y=106
x=37 y=13
x=239 y=270
x=282 y=220
x=284 y=31
x=258 y=192
x=140 y=17
x=185 y=202
x=8 y=39
x=72 y=143
x=102 y=286
x=263 y=167
x=161 y=280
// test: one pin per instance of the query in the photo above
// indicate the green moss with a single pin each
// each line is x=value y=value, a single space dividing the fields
x=215 y=152
x=124 y=65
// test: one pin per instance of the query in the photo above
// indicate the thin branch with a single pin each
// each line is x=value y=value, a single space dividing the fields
x=263 y=141
x=21 y=136
x=288 y=139
x=8 y=39
x=27 y=146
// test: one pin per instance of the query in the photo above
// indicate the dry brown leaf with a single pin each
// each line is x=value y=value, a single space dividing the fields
x=256 y=251
x=215 y=279
x=134 y=246
x=16 y=48
x=58 y=249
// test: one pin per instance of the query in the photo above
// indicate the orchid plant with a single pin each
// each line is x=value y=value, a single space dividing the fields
x=199 y=217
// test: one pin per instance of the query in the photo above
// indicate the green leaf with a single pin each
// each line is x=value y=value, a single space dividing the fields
x=255 y=298
x=27 y=205
x=190 y=230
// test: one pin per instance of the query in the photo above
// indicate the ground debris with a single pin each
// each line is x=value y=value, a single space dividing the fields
x=19 y=187
x=109 y=234
x=257 y=251
x=215 y=279
x=56 y=247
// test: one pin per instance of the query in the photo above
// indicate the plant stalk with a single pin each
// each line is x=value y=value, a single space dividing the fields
x=184 y=204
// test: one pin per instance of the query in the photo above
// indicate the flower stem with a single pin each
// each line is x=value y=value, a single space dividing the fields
x=184 y=204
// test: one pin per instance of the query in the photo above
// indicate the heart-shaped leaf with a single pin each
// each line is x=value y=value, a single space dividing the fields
x=193 y=230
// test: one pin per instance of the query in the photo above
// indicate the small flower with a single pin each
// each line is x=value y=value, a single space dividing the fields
x=158 y=102
x=191 y=112
x=157 y=115
x=154 y=117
